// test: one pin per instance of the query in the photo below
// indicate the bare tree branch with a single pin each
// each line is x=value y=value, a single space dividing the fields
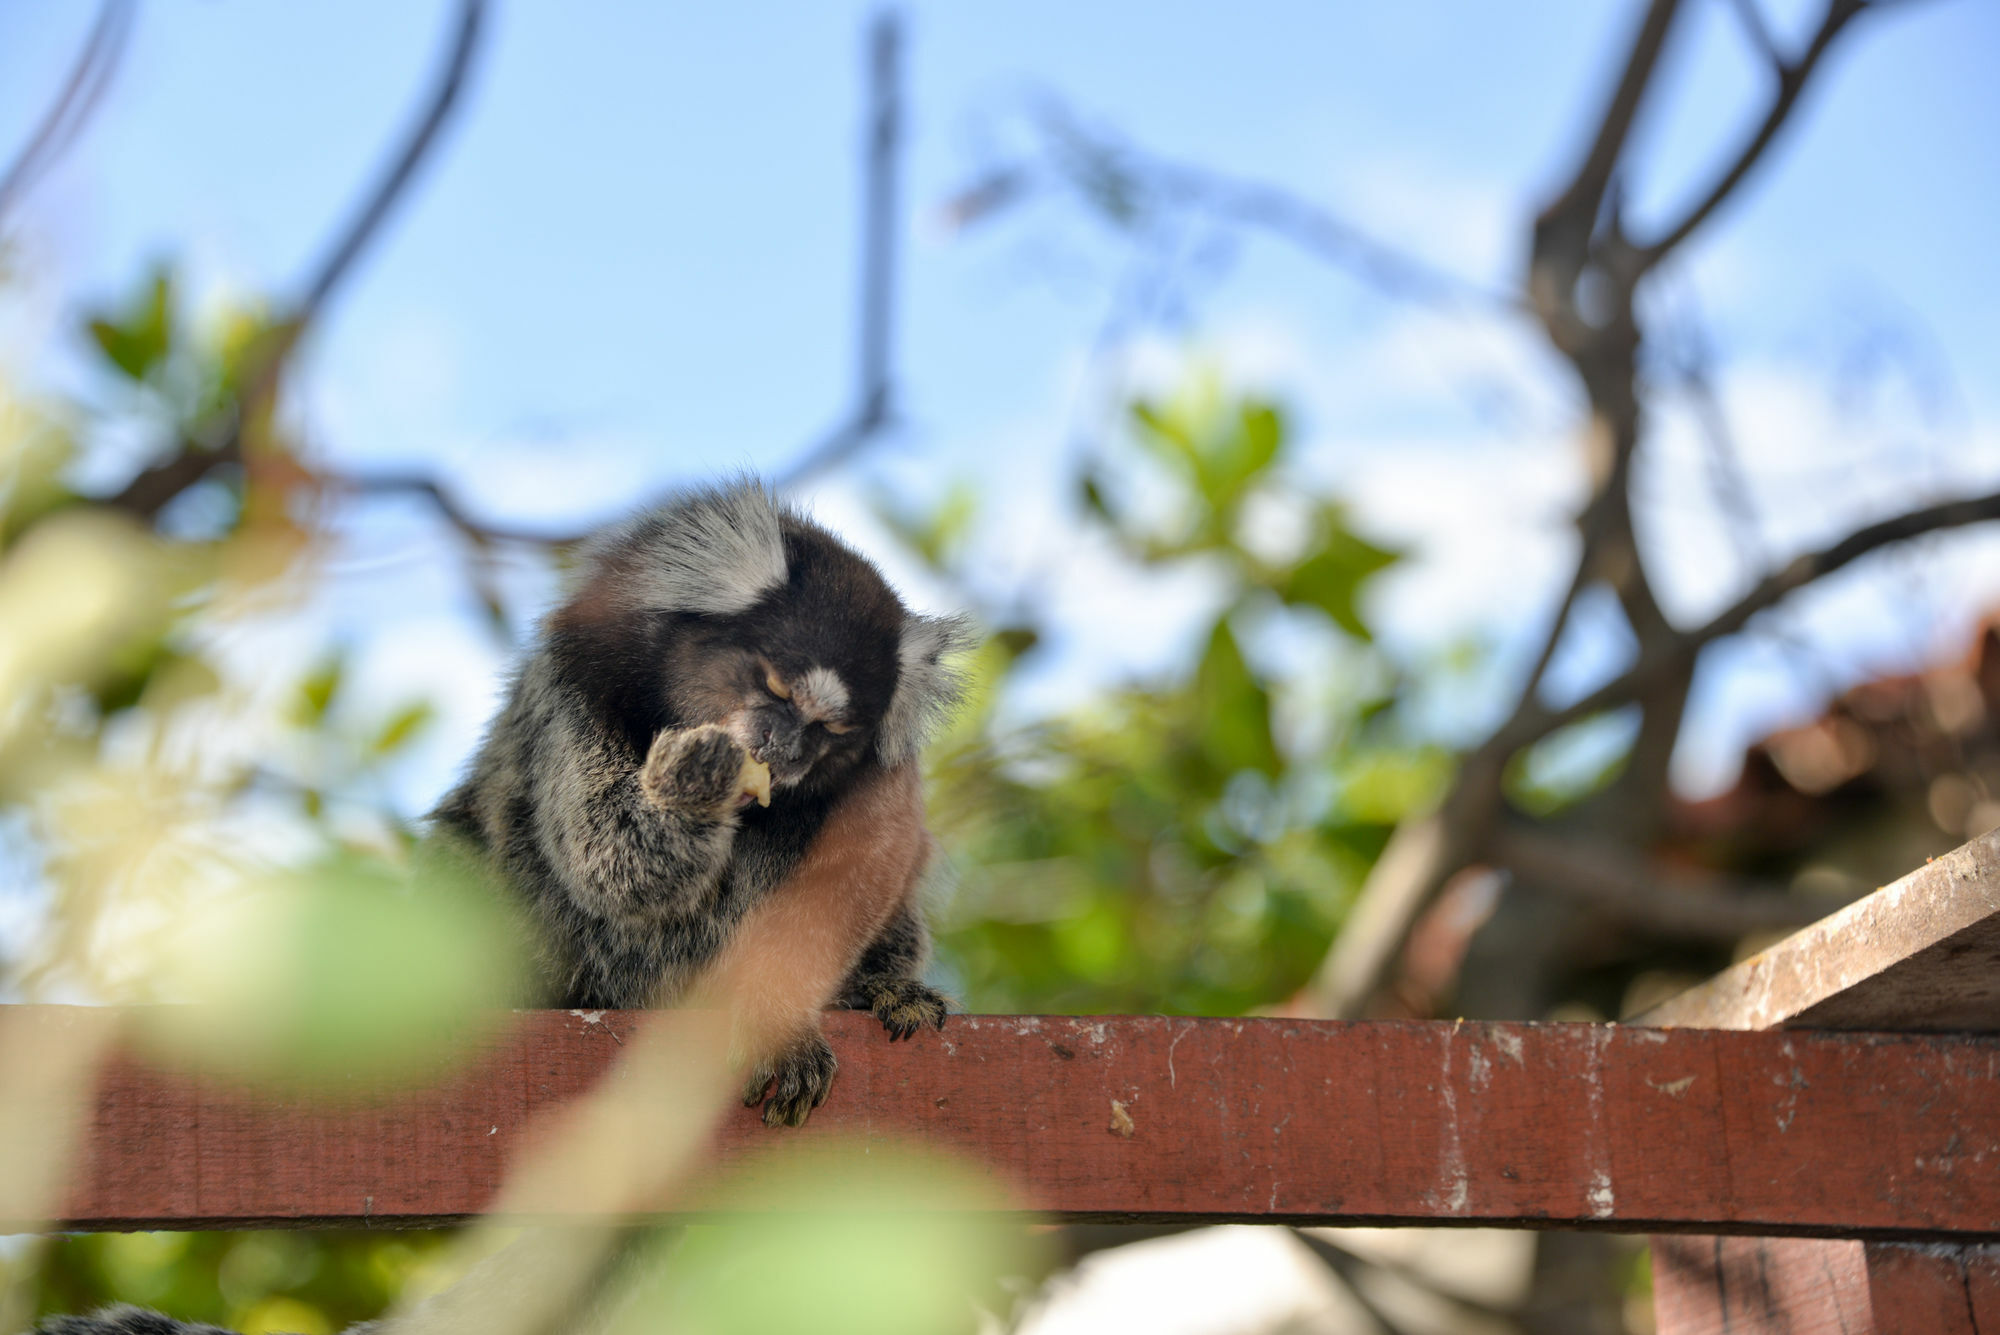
x=367 y=222
x=1773 y=588
x=1806 y=569
x=1792 y=79
x=1728 y=486
x=874 y=375
x=481 y=533
x=1420 y=856
x=81 y=92
x=1579 y=232
x=1594 y=527
x=1431 y=848
x=1759 y=32
x=149 y=492
x=1612 y=881
x=873 y=407
x=1574 y=212
x=1325 y=235
x=1118 y=177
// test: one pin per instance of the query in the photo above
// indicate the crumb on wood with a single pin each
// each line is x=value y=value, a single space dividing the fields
x=1121 y=1120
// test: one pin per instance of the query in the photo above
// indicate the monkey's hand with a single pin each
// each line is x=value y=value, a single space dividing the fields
x=797 y=1077
x=701 y=771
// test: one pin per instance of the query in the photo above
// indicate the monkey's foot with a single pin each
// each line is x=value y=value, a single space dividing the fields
x=904 y=1006
x=797 y=1079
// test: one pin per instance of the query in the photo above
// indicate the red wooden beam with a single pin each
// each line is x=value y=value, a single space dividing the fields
x=1802 y=1286
x=1562 y=1126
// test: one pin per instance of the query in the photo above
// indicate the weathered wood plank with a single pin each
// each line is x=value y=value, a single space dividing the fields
x=1815 y=1286
x=1168 y=1119
x=1758 y=1286
x=1927 y=1290
x=1920 y=955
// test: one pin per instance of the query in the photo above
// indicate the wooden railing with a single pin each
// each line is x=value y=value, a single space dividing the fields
x=1742 y=1129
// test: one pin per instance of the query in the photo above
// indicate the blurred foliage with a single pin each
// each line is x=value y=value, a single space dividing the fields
x=345 y=970
x=308 y=1283
x=195 y=827
x=135 y=755
x=1188 y=844
x=834 y=1238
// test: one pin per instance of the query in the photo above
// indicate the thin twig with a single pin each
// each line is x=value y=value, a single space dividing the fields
x=149 y=492
x=81 y=93
x=1322 y=233
x=1578 y=204
x=873 y=408
x=1593 y=527
x=361 y=230
x=1759 y=32
x=1728 y=484
x=1099 y=168
x=479 y=532
x=1792 y=79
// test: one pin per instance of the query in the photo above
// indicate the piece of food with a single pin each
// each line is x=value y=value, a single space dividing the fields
x=755 y=780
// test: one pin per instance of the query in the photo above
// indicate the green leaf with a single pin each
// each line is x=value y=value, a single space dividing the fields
x=1167 y=431
x=139 y=340
x=316 y=692
x=1241 y=456
x=1233 y=710
x=346 y=968
x=937 y=535
x=1013 y=641
x=1093 y=497
x=1383 y=787
x=1330 y=579
x=404 y=724
x=128 y=668
x=1221 y=453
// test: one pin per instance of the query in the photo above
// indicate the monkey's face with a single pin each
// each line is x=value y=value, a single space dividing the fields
x=798 y=718
x=797 y=723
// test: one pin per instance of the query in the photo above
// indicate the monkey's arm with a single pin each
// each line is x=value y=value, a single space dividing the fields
x=798 y=946
x=625 y=840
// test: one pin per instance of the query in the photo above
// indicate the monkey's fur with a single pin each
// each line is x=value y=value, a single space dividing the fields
x=607 y=793
x=123 y=1320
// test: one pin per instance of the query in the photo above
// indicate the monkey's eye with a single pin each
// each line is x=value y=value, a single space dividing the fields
x=774 y=683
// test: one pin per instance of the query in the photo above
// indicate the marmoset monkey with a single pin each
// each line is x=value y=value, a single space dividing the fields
x=724 y=716
x=721 y=723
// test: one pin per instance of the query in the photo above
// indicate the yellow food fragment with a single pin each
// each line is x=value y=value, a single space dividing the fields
x=755 y=779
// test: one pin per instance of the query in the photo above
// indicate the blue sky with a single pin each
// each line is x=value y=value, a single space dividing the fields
x=633 y=263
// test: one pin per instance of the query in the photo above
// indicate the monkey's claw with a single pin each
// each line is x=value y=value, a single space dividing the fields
x=904 y=1006
x=797 y=1080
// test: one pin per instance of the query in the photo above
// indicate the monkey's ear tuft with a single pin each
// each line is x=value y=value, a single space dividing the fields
x=927 y=687
x=717 y=550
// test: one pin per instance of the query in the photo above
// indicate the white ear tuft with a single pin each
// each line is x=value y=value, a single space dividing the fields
x=715 y=551
x=926 y=686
